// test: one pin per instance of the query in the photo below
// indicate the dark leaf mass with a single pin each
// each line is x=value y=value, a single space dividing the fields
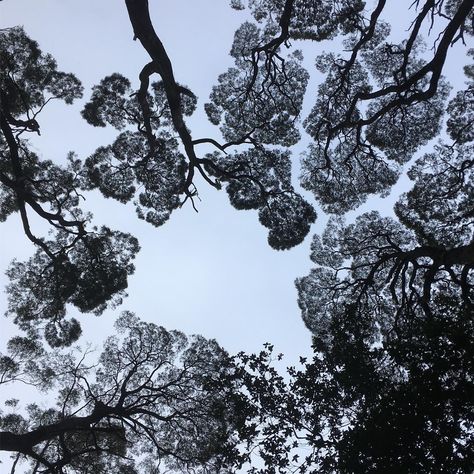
x=389 y=302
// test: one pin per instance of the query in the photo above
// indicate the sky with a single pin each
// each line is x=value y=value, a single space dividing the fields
x=211 y=272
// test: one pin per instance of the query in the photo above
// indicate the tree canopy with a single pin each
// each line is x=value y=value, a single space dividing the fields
x=153 y=400
x=389 y=303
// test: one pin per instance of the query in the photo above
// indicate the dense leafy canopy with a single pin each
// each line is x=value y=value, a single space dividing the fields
x=390 y=302
x=257 y=108
x=84 y=267
x=397 y=407
x=154 y=395
x=391 y=307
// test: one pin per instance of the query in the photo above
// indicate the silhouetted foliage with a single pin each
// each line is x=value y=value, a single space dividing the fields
x=397 y=269
x=84 y=267
x=378 y=103
x=391 y=307
x=153 y=400
x=148 y=158
x=400 y=406
x=389 y=304
x=261 y=179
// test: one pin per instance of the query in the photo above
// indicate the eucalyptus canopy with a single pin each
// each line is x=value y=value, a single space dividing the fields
x=390 y=302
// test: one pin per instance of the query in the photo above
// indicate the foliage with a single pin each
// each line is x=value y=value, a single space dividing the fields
x=254 y=110
x=153 y=400
x=389 y=304
x=401 y=406
x=85 y=268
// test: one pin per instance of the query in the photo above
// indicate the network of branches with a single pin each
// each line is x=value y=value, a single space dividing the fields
x=390 y=302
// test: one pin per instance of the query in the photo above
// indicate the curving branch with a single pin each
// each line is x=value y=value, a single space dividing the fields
x=144 y=31
x=26 y=197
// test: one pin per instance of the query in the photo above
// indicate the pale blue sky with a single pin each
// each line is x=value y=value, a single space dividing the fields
x=210 y=272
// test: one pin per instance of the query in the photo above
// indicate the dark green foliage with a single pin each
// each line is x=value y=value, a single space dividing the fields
x=261 y=179
x=90 y=276
x=288 y=218
x=380 y=100
x=256 y=109
x=118 y=170
x=408 y=402
x=391 y=308
x=114 y=102
x=390 y=303
x=401 y=406
x=57 y=186
x=461 y=115
x=344 y=165
x=88 y=269
x=310 y=19
x=439 y=207
x=28 y=78
x=339 y=190
x=146 y=159
x=253 y=176
x=257 y=102
x=109 y=104
x=257 y=106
